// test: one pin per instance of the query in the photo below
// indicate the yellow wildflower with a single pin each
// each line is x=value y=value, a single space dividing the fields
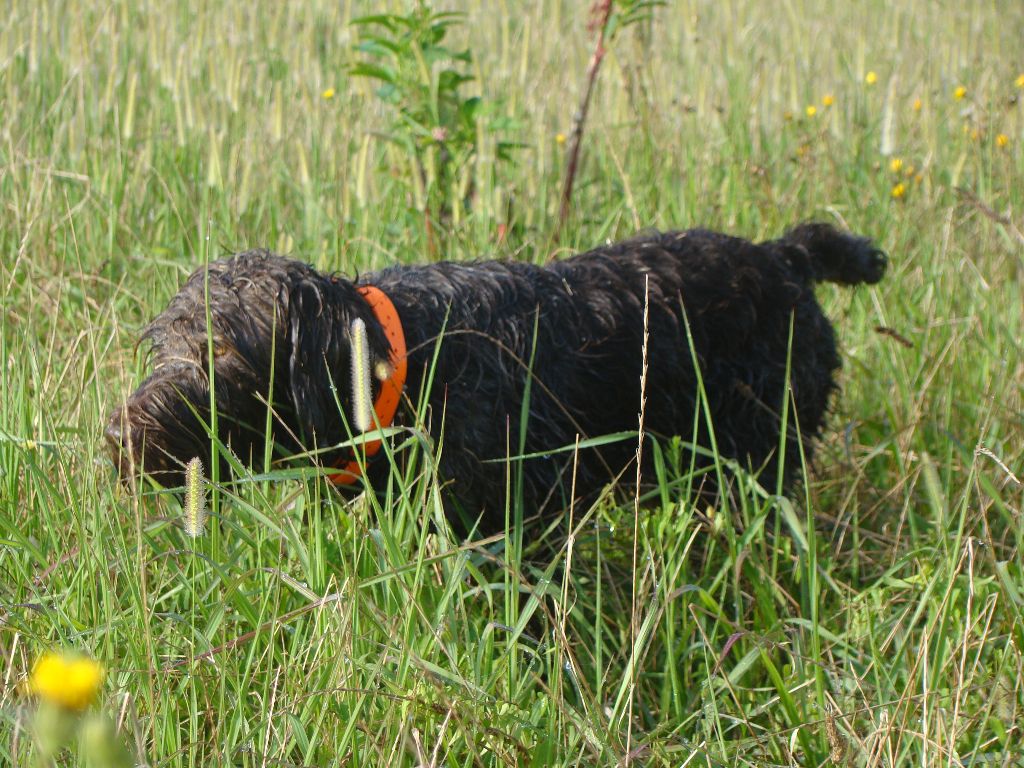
x=812 y=111
x=559 y=138
x=1019 y=82
x=899 y=191
x=328 y=93
x=976 y=134
x=871 y=78
x=1002 y=140
x=910 y=170
x=896 y=164
x=71 y=682
x=959 y=92
x=917 y=105
x=828 y=101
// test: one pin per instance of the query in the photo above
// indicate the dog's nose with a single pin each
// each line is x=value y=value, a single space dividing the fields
x=114 y=433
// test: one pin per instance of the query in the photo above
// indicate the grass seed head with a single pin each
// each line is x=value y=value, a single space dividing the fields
x=362 y=395
x=836 y=740
x=195 y=499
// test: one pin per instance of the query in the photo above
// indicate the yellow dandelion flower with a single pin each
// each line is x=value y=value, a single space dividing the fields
x=919 y=178
x=898 y=191
x=72 y=682
x=1002 y=140
x=910 y=170
x=828 y=100
x=812 y=110
x=917 y=105
x=559 y=138
x=896 y=164
x=959 y=92
x=1019 y=82
x=328 y=93
x=871 y=78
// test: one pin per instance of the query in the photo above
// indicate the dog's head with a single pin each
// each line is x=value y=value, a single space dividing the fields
x=279 y=351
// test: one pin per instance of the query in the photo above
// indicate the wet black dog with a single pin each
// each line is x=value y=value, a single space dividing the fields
x=568 y=338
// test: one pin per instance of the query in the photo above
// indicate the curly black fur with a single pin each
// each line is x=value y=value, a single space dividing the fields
x=580 y=322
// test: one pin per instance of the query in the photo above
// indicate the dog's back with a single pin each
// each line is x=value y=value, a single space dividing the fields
x=729 y=304
x=577 y=326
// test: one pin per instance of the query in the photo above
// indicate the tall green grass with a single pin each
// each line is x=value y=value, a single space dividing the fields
x=876 y=614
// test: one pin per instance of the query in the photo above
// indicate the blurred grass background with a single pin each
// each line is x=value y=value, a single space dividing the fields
x=875 y=620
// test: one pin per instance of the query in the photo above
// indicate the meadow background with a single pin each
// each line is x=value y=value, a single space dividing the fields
x=874 y=620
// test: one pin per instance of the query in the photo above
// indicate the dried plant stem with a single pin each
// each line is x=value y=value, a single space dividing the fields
x=601 y=11
x=634 y=624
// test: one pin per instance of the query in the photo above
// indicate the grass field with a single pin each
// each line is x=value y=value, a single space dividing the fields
x=873 y=620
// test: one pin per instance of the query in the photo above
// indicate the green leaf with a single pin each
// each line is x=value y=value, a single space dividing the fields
x=435 y=53
x=382 y=19
x=793 y=521
x=449 y=80
x=375 y=71
x=469 y=109
x=380 y=47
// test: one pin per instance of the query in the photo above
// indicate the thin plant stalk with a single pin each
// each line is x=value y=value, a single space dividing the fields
x=636 y=517
x=601 y=12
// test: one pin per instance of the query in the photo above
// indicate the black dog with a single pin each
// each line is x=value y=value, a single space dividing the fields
x=567 y=338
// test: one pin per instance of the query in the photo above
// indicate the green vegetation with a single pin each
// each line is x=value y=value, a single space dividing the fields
x=875 y=620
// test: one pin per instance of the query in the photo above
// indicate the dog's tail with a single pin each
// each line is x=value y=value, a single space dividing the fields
x=836 y=256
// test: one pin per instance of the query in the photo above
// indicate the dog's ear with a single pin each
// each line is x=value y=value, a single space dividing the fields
x=318 y=361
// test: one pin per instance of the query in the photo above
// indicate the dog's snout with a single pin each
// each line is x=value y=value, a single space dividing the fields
x=116 y=429
x=123 y=441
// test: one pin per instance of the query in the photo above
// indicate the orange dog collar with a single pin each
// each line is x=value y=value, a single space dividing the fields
x=386 y=404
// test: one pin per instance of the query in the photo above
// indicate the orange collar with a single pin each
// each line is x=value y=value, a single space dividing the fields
x=390 y=393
